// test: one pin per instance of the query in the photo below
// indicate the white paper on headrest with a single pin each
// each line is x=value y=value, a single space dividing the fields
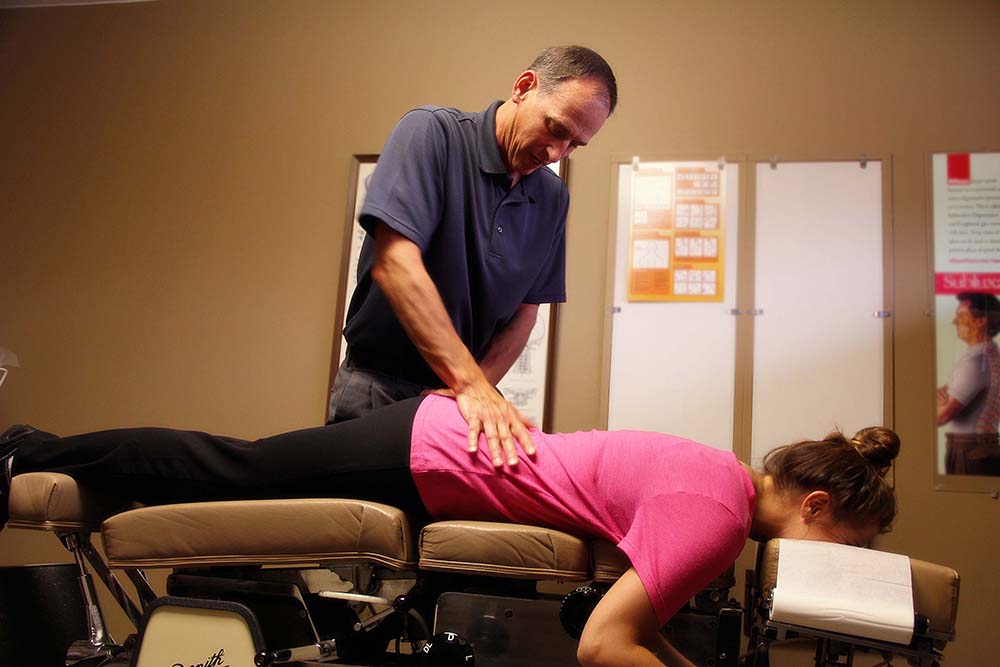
x=844 y=589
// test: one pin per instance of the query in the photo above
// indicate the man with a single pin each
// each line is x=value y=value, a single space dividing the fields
x=466 y=236
x=970 y=403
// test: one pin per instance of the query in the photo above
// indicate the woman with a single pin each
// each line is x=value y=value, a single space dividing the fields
x=970 y=403
x=679 y=510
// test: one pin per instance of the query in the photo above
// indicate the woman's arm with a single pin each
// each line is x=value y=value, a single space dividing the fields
x=947 y=409
x=623 y=631
x=668 y=654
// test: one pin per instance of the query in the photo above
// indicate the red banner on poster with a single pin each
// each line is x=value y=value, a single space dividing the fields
x=953 y=283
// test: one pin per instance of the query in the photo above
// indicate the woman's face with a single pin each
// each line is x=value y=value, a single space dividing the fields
x=968 y=327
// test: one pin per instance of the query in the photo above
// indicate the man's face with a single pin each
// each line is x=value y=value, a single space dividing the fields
x=549 y=126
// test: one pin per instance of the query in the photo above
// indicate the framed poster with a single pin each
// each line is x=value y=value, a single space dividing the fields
x=965 y=190
x=677 y=232
x=362 y=168
x=671 y=365
x=526 y=385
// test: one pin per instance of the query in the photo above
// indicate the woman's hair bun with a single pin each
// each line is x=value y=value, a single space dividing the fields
x=878 y=445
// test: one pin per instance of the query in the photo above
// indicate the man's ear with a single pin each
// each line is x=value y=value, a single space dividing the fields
x=526 y=82
x=814 y=506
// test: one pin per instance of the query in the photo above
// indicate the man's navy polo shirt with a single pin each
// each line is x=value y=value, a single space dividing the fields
x=441 y=182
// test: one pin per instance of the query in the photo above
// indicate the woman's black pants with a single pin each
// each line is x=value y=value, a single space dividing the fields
x=366 y=459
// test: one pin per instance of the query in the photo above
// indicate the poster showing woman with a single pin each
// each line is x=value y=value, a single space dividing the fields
x=967 y=309
x=968 y=405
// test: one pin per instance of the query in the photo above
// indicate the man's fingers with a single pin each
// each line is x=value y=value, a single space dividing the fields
x=504 y=427
x=474 y=430
x=493 y=442
x=524 y=437
x=507 y=442
x=519 y=425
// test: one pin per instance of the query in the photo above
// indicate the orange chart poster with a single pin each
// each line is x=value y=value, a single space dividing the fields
x=677 y=233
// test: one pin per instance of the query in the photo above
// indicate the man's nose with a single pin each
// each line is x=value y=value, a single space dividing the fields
x=557 y=151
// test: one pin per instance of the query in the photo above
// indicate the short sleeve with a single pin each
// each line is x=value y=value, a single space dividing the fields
x=405 y=191
x=968 y=378
x=550 y=286
x=678 y=543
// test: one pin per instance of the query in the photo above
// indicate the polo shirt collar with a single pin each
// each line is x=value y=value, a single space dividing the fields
x=490 y=159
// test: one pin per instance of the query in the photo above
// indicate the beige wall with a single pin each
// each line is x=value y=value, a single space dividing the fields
x=173 y=181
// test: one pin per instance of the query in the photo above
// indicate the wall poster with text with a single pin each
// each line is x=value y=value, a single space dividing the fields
x=966 y=214
x=677 y=233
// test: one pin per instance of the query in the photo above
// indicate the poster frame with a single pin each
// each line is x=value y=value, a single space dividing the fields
x=942 y=481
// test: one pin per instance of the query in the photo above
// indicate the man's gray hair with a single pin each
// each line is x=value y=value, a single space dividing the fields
x=562 y=63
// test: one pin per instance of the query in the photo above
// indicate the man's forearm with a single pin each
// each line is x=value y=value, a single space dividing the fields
x=402 y=277
x=400 y=273
x=508 y=343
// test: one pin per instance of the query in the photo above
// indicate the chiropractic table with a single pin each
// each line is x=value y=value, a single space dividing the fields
x=304 y=581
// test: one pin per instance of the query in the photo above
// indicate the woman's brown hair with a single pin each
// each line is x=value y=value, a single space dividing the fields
x=851 y=470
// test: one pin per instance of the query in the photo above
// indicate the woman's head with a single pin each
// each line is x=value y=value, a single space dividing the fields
x=848 y=474
x=977 y=317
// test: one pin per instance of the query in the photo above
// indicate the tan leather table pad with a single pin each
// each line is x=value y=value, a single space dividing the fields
x=503 y=549
x=260 y=531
